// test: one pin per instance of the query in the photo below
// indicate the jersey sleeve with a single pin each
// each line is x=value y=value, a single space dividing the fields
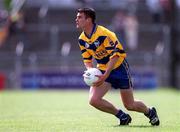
x=113 y=46
x=87 y=57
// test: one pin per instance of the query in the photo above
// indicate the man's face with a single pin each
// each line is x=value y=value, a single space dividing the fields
x=81 y=20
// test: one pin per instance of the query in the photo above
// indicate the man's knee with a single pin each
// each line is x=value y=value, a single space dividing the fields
x=94 y=101
x=129 y=107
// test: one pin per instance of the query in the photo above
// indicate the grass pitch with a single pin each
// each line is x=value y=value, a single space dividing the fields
x=69 y=111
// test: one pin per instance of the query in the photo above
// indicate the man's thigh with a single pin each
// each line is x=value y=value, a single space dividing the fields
x=127 y=96
x=99 y=92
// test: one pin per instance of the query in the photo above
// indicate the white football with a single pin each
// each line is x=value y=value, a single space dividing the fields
x=90 y=76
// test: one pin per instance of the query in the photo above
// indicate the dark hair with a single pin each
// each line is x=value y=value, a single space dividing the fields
x=89 y=13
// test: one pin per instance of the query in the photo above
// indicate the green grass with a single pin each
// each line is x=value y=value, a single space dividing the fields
x=69 y=111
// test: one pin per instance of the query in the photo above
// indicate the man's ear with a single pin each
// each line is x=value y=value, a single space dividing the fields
x=89 y=19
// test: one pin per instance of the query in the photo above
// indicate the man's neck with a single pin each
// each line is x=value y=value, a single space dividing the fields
x=88 y=29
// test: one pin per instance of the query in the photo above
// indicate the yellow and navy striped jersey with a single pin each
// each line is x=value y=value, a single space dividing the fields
x=101 y=45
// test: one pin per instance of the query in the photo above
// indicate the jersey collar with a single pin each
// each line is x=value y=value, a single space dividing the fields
x=93 y=30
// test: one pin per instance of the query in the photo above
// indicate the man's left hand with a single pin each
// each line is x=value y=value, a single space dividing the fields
x=101 y=80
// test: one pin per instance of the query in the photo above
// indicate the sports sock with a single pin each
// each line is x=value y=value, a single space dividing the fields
x=119 y=114
x=149 y=113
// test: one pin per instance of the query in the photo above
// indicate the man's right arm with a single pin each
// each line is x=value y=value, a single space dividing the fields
x=87 y=57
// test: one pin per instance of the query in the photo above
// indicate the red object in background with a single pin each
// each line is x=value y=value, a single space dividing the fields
x=2 y=81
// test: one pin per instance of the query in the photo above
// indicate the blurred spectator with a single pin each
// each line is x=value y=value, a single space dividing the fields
x=131 y=31
x=17 y=28
x=178 y=3
x=117 y=25
x=160 y=9
x=155 y=9
x=167 y=8
x=12 y=21
x=132 y=5
x=4 y=26
x=17 y=23
x=126 y=28
x=7 y=4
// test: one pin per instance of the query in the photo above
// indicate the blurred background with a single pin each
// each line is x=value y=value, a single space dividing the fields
x=39 y=42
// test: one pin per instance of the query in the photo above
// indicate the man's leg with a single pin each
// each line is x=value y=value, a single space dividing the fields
x=131 y=104
x=96 y=99
x=96 y=95
x=139 y=106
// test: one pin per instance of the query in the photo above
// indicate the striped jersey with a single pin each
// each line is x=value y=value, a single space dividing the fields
x=101 y=45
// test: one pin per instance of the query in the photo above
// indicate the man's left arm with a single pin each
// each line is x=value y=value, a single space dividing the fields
x=110 y=67
x=116 y=51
